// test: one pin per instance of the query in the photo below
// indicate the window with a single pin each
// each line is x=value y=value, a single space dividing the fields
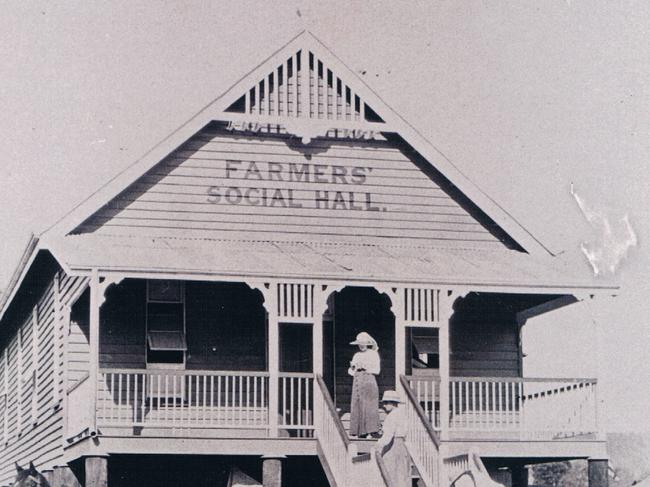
x=424 y=351
x=166 y=342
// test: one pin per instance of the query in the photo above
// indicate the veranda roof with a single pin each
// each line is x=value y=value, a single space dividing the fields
x=333 y=261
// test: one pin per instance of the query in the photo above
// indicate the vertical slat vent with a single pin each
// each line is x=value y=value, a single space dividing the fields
x=295 y=300
x=303 y=86
x=421 y=305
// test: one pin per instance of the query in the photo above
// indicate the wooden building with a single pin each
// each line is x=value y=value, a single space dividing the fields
x=194 y=314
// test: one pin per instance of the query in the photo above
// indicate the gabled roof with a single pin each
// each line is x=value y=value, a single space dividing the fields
x=252 y=91
x=263 y=95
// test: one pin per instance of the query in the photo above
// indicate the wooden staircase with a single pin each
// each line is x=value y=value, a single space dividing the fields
x=355 y=463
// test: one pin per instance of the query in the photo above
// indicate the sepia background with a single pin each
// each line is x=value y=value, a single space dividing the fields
x=526 y=98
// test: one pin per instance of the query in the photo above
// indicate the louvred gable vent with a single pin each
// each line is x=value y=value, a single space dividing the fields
x=304 y=87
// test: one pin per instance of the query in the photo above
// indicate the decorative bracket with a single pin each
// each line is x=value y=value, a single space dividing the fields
x=105 y=283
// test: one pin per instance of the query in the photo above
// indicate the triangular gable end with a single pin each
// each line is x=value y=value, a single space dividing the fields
x=305 y=90
x=303 y=86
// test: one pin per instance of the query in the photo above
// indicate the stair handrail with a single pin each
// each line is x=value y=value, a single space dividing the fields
x=419 y=433
x=333 y=442
x=418 y=409
x=352 y=470
x=331 y=408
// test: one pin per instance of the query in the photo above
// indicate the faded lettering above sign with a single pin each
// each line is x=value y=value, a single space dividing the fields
x=293 y=197
x=357 y=133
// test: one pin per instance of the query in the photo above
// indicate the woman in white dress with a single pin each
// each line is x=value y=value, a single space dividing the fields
x=364 y=405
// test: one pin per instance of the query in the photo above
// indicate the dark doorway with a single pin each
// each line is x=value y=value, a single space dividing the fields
x=357 y=309
x=295 y=347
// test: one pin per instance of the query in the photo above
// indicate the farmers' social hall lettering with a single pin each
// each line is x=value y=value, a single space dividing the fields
x=276 y=179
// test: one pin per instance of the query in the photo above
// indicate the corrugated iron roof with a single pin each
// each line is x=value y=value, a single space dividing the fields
x=390 y=263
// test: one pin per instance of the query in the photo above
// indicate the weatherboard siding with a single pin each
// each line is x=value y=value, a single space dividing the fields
x=122 y=328
x=485 y=345
x=35 y=418
x=213 y=311
x=221 y=184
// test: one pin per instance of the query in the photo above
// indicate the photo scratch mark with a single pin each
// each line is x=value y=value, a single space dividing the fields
x=612 y=245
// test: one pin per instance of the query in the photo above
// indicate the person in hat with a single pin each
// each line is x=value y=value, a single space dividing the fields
x=391 y=444
x=364 y=407
x=393 y=426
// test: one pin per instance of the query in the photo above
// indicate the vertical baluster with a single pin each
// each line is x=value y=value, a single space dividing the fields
x=255 y=410
x=151 y=394
x=291 y=402
x=119 y=397
x=167 y=394
x=219 y=408
x=193 y=399
x=454 y=409
x=492 y=402
x=427 y=412
x=178 y=395
x=464 y=403
x=188 y=418
x=500 y=410
x=226 y=399
x=128 y=396
x=107 y=378
x=144 y=397
x=284 y=392
x=212 y=386
x=300 y=411
x=135 y=399
x=205 y=401
x=308 y=386
x=520 y=405
x=248 y=398
x=263 y=398
x=508 y=404
x=512 y=401
x=158 y=398
x=481 y=415
x=240 y=399
x=473 y=403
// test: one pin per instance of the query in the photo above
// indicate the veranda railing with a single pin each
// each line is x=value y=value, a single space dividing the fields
x=202 y=399
x=531 y=407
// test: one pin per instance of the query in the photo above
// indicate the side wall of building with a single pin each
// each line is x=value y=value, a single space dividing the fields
x=32 y=385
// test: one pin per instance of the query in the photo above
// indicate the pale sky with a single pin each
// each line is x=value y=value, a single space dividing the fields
x=524 y=97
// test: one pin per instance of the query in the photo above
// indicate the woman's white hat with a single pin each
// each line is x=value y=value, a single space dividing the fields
x=391 y=396
x=364 y=338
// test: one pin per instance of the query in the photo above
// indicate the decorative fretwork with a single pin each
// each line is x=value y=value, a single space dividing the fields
x=421 y=306
x=295 y=301
x=303 y=86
